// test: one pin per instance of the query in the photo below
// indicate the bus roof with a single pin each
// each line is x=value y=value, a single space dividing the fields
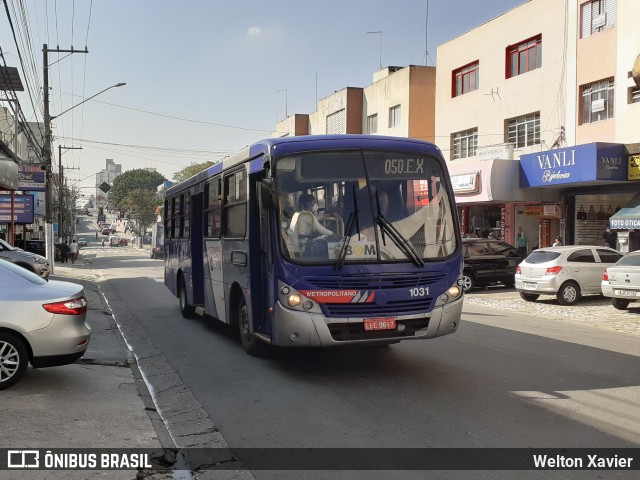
x=286 y=145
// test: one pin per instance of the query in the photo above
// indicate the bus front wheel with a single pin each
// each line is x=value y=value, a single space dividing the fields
x=187 y=310
x=251 y=344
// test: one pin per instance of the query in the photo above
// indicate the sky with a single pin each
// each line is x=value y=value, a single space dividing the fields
x=205 y=78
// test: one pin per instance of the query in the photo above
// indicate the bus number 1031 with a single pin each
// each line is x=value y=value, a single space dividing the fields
x=419 y=291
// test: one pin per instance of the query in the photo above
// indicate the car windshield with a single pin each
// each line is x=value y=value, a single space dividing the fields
x=540 y=256
x=5 y=246
x=363 y=206
x=8 y=272
x=629 y=261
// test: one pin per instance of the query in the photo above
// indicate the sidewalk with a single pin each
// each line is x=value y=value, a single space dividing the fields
x=99 y=402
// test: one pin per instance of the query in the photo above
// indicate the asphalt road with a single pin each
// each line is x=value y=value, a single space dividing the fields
x=503 y=380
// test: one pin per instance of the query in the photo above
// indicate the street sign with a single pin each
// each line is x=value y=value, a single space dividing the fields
x=105 y=187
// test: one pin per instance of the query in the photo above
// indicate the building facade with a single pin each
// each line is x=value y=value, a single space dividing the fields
x=549 y=81
x=108 y=175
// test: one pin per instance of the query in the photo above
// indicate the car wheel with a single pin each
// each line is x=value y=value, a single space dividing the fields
x=619 y=304
x=529 y=297
x=568 y=294
x=251 y=344
x=13 y=359
x=187 y=310
x=468 y=281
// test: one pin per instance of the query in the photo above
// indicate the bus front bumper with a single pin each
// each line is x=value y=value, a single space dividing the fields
x=303 y=329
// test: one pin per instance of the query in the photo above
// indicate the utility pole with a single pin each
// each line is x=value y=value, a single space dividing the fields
x=61 y=188
x=47 y=152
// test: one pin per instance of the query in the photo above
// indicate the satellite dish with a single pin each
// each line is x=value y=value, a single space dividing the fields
x=635 y=73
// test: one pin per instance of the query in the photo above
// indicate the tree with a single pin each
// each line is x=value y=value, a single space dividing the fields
x=191 y=170
x=131 y=180
x=141 y=204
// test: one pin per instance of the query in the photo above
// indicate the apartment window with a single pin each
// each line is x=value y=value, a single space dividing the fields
x=466 y=79
x=394 y=116
x=597 y=15
x=524 y=131
x=465 y=144
x=372 y=123
x=597 y=101
x=524 y=57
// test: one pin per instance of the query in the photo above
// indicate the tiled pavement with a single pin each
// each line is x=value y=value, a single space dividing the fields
x=593 y=310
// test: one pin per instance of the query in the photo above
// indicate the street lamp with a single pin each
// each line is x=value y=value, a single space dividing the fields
x=48 y=187
x=53 y=117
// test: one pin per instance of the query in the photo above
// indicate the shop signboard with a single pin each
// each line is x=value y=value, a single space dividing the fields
x=466 y=183
x=502 y=151
x=627 y=218
x=574 y=165
x=22 y=208
x=31 y=178
x=548 y=211
x=634 y=167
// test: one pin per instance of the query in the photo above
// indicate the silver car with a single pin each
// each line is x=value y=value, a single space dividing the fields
x=42 y=323
x=568 y=272
x=31 y=261
x=621 y=282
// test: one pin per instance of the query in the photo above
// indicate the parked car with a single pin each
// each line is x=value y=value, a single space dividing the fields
x=43 y=323
x=38 y=247
x=568 y=272
x=82 y=242
x=28 y=260
x=487 y=262
x=621 y=282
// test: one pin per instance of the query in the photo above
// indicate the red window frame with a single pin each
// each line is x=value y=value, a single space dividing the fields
x=531 y=48
x=466 y=73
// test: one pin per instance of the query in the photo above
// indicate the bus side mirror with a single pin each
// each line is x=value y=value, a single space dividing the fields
x=266 y=193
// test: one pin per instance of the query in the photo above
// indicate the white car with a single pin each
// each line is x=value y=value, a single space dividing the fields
x=82 y=242
x=621 y=281
x=42 y=323
x=568 y=272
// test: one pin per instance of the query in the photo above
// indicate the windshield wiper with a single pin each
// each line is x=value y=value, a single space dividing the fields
x=352 y=222
x=402 y=243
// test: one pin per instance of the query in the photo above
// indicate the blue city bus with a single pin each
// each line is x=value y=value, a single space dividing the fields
x=380 y=261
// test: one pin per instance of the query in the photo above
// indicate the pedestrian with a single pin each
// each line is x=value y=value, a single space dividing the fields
x=64 y=252
x=522 y=243
x=558 y=242
x=74 y=251
x=96 y=235
x=610 y=238
x=103 y=243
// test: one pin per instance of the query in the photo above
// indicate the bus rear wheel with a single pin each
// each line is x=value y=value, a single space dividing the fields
x=251 y=344
x=187 y=310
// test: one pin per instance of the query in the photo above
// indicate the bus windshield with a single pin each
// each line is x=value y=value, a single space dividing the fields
x=363 y=206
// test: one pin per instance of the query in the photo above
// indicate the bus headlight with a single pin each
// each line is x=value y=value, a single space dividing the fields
x=290 y=298
x=294 y=300
x=453 y=293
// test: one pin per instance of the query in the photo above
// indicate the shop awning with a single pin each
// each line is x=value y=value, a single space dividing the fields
x=627 y=218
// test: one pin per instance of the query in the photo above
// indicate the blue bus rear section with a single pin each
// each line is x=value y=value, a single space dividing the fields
x=384 y=273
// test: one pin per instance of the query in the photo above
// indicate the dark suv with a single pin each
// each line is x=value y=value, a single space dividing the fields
x=487 y=262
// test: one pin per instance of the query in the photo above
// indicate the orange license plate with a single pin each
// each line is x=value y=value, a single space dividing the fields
x=379 y=324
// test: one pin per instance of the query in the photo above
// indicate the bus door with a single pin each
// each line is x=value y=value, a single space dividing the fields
x=214 y=279
x=235 y=243
x=197 y=268
x=260 y=267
